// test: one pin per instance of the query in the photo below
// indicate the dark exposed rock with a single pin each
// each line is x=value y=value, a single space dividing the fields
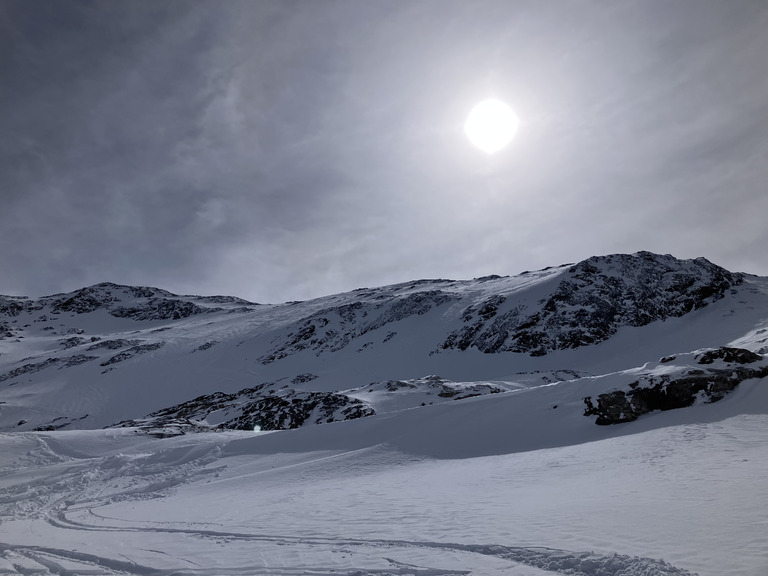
x=133 y=302
x=5 y=330
x=731 y=355
x=440 y=387
x=133 y=351
x=76 y=360
x=29 y=368
x=242 y=309
x=594 y=299
x=268 y=409
x=10 y=306
x=428 y=281
x=303 y=378
x=282 y=412
x=490 y=307
x=83 y=301
x=394 y=385
x=665 y=393
x=32 y=367
x=224 y=300
x=412 y=305
x=198 y=408
x=206 y=345
x=475 y=318
x=71 y=342
x=57 y=423
x=332 y=329
x=113 y=344
x=160 y=309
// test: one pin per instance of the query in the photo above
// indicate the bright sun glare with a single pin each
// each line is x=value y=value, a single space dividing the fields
x=491 y=125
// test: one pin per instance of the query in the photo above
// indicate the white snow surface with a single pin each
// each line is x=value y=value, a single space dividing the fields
x=510 y=478
x=669 y=497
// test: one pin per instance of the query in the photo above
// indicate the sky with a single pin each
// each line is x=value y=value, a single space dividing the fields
x=285 y=150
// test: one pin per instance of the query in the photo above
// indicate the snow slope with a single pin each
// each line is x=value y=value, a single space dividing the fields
x=473 y=448
x=365 y=499
x=111 y=353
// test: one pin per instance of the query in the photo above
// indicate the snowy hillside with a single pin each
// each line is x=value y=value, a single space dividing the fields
x=582 y=419
x=110 y=353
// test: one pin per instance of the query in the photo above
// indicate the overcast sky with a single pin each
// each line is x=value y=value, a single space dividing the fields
x=281 y=150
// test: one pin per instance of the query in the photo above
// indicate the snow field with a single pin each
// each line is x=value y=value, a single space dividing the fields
x=110 y=502
x=515 y=483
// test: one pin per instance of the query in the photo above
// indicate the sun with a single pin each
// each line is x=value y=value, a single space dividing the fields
x=491 y=125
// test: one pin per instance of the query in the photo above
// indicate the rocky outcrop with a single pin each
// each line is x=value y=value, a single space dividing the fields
x=440 y=387
x=58 y=423
x=268 y=407
x=134 y=302
x=206 y=346
x=83 y=301
x=72 y=342
x=76 y=360
x=133 y=351
x=665 y=392
x=115 y=344
x=303 y=378
x=282 y=411
x=14 y=305
x=592 y=301
x=6 y=331
x=31 y=367
x=160 y=309
x=262 y=406
x=332 y=329
x=730 y=355
x=224 y=300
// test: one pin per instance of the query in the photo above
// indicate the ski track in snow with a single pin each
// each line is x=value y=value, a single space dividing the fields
x=546 y=560
x=53 y=484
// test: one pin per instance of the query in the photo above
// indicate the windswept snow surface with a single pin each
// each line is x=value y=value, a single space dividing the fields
x=474 y=463
x=679 y=492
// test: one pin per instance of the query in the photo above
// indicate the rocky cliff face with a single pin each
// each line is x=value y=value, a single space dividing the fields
x=591 y=301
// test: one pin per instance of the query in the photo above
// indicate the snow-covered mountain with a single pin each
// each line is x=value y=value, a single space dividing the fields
x=536 y=424
x=107 y=353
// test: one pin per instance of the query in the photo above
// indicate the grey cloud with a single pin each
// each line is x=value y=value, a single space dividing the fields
x=279 y=150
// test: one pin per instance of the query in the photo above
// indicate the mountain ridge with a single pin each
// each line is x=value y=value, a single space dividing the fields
x=109 y=353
